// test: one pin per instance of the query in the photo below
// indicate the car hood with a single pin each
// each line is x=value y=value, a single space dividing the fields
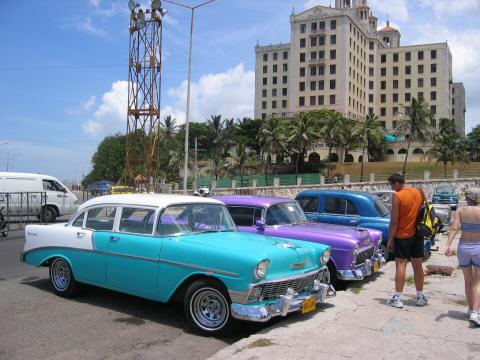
x=285 y=255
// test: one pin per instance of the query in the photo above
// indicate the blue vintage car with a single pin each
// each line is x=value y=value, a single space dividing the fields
x=445 y=194
x=351 y=208
x=171 y=247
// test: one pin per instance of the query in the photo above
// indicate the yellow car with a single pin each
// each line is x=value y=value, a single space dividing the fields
x=122 y=189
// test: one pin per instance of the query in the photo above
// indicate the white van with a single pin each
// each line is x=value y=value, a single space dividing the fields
x=59 y=199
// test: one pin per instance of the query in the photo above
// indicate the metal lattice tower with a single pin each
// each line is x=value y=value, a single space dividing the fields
x=143 y=113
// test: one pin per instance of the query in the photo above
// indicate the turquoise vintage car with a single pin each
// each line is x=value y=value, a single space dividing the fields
x=171 y=247
x=445 y=194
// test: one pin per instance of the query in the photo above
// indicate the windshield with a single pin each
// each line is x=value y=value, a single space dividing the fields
x=285 y=214
x=382 y=209
x=444 y=190
x=187 y=219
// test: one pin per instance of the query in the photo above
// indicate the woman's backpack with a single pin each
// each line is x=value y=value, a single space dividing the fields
x=427 y=222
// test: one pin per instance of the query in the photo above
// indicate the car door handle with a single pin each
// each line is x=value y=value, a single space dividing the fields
x=354 y=221
x=114 y=238
x=80 y=234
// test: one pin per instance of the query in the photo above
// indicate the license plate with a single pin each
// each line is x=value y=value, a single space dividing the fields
x=309 y=304
x=376 y=266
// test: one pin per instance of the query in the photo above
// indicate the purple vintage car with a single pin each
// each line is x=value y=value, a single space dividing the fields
x=355 y=252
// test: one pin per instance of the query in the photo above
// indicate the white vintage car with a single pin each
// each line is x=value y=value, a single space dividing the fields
x=171 y=247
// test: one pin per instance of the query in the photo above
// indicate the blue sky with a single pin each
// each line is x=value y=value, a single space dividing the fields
x=64 y=66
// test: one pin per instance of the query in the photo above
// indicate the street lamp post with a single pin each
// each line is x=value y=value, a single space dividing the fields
x=187 y=115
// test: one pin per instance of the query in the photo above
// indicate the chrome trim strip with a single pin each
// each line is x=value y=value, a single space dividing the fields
x=191 y=266
x=289 y=277
x=238 y=296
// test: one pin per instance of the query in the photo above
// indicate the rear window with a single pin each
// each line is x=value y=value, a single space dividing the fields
x=245 y=216
x=309 y=204
x=137 y=220
x=101 y=218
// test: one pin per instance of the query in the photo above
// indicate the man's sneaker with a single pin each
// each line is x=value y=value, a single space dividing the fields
x=474 y=318
x=421 y=300
x=469 y=312
x=395 y=301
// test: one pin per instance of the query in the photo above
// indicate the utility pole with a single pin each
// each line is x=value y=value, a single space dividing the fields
x=196 y=163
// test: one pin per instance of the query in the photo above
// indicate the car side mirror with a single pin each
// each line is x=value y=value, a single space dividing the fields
x=260 y=224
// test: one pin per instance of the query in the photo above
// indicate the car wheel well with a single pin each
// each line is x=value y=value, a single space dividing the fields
x=54 y=207
x=179 y=293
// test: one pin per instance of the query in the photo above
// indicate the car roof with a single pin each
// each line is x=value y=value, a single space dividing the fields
x=250 y=200
x=26 y=175
x=156 y=200
x=358 y=194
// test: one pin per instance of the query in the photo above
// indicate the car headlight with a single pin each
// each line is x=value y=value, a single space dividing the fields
x=356 y=250
x=261 y=269
x=325 y=257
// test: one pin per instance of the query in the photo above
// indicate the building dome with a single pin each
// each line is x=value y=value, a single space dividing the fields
x=388 y=28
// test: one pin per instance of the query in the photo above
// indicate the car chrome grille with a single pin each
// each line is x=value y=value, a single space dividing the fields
x=364 y=255
x=275 y=289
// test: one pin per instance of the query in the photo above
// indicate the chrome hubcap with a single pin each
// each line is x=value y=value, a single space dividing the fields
x=324 y=276
x=209 y=309
x=60 y=274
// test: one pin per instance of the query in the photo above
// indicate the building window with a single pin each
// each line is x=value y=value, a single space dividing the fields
x=313 y=85
x=303 y=42
x=370 y=71
x=321 y=40
x=395 y=70
x=408 y=83
x=312 y=100
x=383 y=111
x=420 y=95
x=321 y=70
x=321 y=24
x=264 y=105
x=313 y=41
x=285 y=55
x=420 y=82
x=395 y=84
x=284 y=91
x=284 y=79
x=264 y=81
x=303 y=28
x=274 y=92
x=433 y=54
x=433 y=95
x=313 y=71
x=265 y=69
x=275 y=68
x=433 y=109
x=420 y=55
x=301 y=86
x=332 y=84
x=275 y=56
x=274 y=80
x=371 y=59
x=407 y=97
x=313 y=26
x=333 y=39
x=313 y=55
x=301 y=101
x=383 y=85
x=408 y=70
x=302 y=71
x=383 y=98
x=285 y=67
x=321 y=100
x=333 y=69
x=264 y=93
x=383 y=124
x=333 y=24
x=302 y=57
x=284 y=104
x=383 y=58
x=395 y=57
x=371 y=45
x=321 y=54
x=333 y=54
x=433 y=123
x=394 y=124
x=383 y=71
x=408 y=56
x=264 y=116
x=370 y=98
x=332 y=99
x=274 y=104
x=395 y=98
x=321 y=85
x=265 y=57
x=420 y=69
x=395 y=111
x=370 y=85
x=433 y=68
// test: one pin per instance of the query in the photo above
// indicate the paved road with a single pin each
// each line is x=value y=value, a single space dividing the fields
x=98 y=324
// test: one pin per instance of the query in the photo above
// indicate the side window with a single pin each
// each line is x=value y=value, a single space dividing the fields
x=309 y=204
x=50 y=185
x=79 y=220
x=335 y=206
x=351 y=208
x=257 y=215
x=137 y=220
x=101 y=218
x=243 y=216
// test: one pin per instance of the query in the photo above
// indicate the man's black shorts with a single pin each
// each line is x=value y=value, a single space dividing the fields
x=409 y=248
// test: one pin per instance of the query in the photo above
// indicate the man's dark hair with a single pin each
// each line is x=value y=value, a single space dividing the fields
x=396 y=178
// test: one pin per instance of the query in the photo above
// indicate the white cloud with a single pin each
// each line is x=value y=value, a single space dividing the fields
x=443 y=8
x=229 y=93
x=394 y=9
x=311 y=3
x=88 y=27
x=111 y=116
x=84 y=107
x=94 y=3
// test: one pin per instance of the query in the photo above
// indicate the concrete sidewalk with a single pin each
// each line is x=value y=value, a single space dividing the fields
x=361 y=326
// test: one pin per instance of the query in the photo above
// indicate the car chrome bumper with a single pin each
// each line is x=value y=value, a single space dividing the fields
x=363 y=270
x=282 y=306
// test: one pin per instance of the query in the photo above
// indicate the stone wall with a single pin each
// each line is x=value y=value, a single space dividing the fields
x=427 y=186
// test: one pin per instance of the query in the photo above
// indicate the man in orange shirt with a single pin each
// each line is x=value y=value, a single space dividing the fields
x=403 y=241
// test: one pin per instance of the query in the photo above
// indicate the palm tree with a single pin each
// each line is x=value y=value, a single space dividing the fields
x=349 y=140
x=271 y=139
x=302 y=135
x=448 y=145
x=415 y=125
x=369 y=131
x=168 y=129
x=245 y=159
x=330 y=124
x=219 y=137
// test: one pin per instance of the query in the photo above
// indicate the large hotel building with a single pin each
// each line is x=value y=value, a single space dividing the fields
x=337 y=59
